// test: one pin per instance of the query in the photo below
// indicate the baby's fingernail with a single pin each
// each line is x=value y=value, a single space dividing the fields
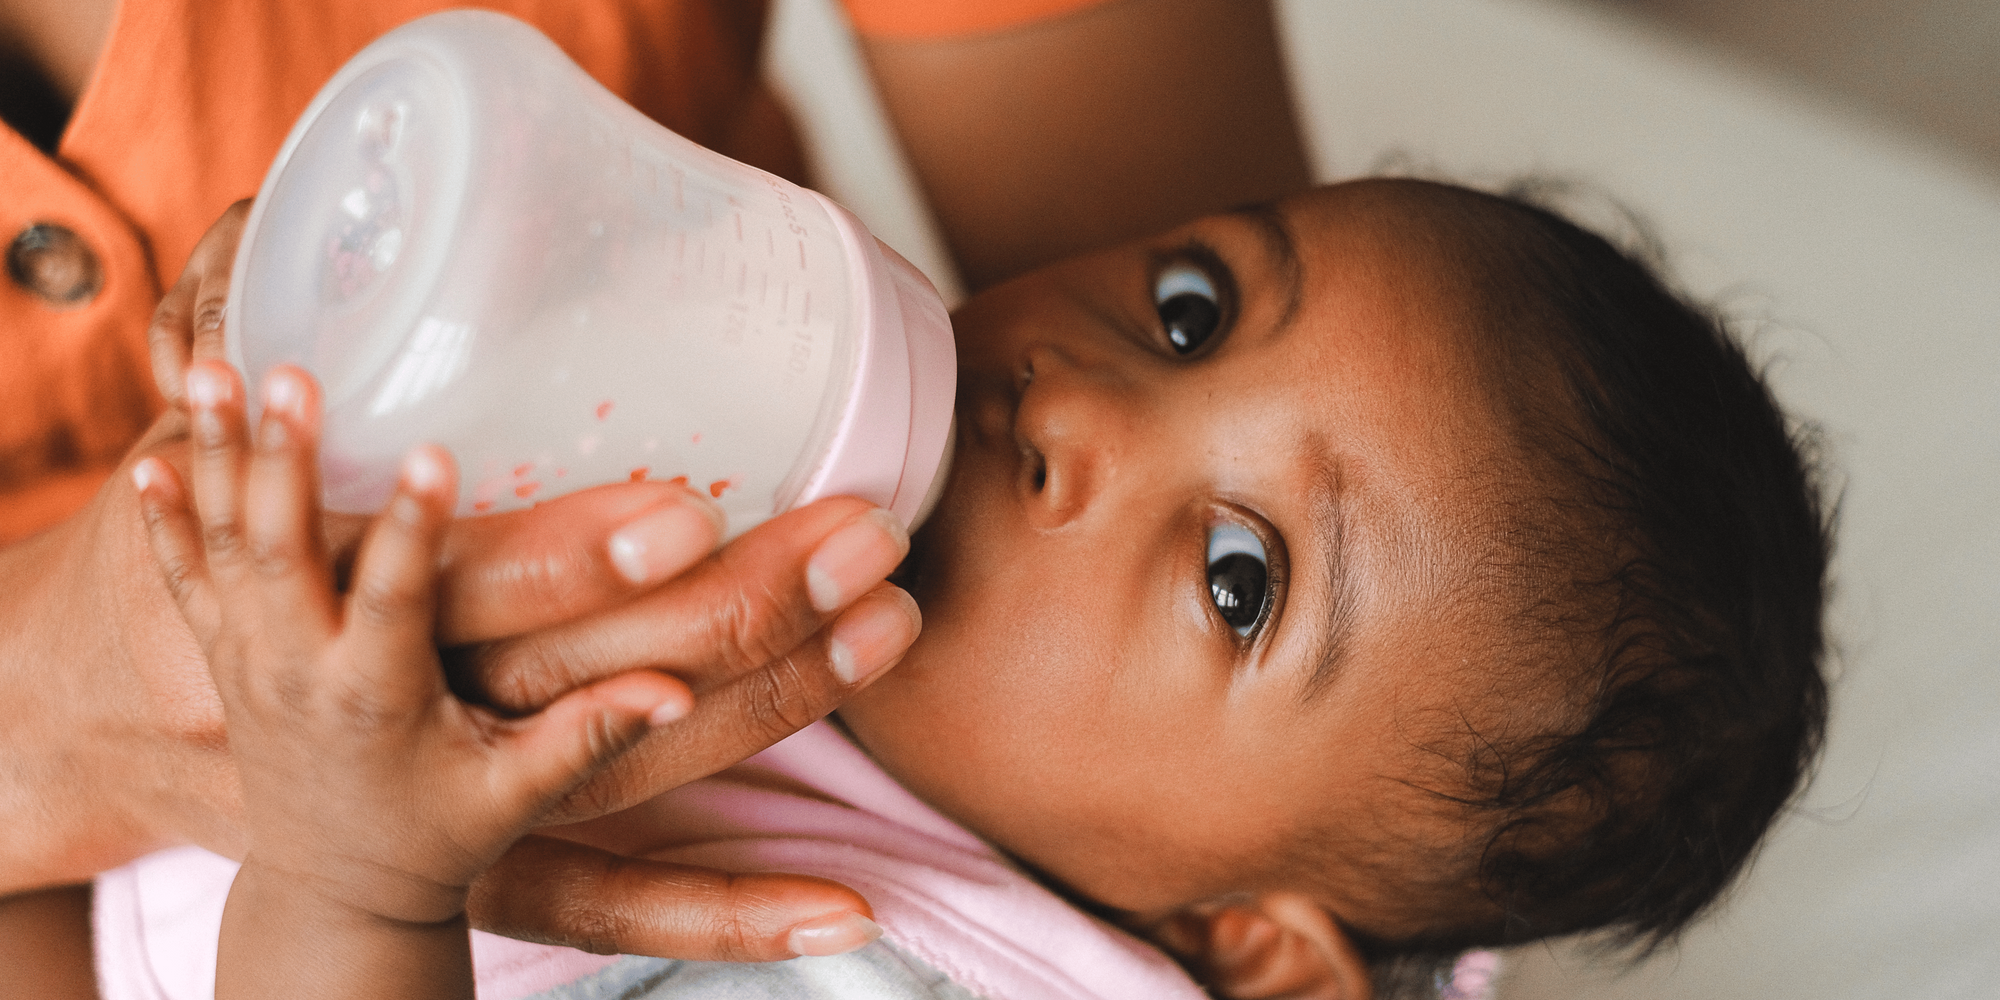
x=283 y=393
x=667 y=540
x=145 y=474
x=855 y=558
x=835 y=935
x=422 y=471
x=204 y=387
x=871 y=635
x=670 y=711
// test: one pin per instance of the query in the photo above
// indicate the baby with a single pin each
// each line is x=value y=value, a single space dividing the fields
x=1321 y=589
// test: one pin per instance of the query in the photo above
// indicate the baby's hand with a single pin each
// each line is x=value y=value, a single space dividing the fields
x=365 y=782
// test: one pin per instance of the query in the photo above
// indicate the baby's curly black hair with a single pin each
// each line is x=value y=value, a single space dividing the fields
x=1682 y=513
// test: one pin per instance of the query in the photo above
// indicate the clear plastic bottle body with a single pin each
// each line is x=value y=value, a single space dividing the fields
x=469 y=242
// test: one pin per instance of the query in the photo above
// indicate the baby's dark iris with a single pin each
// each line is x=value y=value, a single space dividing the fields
x=1190 y=308
x=1236 y=584
x=1190 y=320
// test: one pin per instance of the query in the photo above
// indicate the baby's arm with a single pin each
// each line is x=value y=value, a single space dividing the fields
x=372 y=797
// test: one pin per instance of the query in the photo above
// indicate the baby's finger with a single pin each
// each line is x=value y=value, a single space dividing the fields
x=392 y=606
x=281 y=508
x=553 y=751
x=546 y=889
x=215 y=398
x=175 y=537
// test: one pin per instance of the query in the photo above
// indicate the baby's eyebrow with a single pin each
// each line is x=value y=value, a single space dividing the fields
x=1277 y=237
x=1337 y=597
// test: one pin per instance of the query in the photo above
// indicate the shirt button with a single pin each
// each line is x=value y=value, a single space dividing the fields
x=54 y=264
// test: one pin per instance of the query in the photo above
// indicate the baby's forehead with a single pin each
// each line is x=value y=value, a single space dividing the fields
x=1415 y=214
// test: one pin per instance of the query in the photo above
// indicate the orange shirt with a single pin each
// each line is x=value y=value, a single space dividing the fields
x=191 y=100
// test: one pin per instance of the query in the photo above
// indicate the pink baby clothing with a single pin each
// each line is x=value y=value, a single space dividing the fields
x=814 y=804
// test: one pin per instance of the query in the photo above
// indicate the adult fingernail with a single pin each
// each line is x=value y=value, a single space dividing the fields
x=666 y=540
x=871 y=635
x=855 y=558
x=835 y=935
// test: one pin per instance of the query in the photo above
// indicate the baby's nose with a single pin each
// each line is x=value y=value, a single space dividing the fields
x=1075 y=427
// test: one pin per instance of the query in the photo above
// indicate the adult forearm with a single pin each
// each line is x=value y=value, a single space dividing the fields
x=50 y=838
x=45 y=945
x=1081 y=131
x=96 y=758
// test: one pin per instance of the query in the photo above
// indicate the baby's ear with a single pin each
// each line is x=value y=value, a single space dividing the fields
x=1275 y=945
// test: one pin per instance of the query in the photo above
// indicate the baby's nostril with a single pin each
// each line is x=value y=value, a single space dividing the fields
x=1035 y=466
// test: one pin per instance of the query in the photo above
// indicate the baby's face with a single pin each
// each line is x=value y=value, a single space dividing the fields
x=1185 y=602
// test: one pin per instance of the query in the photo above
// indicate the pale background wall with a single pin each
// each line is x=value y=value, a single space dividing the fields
x=1929 y=68
x=1868 y=259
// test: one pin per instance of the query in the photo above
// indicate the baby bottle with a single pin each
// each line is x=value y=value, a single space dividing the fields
x=468 y=241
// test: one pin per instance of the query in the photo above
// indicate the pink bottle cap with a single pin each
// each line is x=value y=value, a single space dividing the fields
x=892 y=441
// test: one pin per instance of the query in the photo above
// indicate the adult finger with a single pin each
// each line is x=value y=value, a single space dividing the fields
x=509 y=574
x=188 y=323
x=559 y=892
x=733 y=720
x=750 y=604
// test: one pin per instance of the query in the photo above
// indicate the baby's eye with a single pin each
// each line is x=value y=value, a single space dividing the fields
x=1190 y=308
x=1238 y=576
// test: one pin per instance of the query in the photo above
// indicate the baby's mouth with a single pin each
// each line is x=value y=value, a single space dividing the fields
x=908 y=574
x=913 y=573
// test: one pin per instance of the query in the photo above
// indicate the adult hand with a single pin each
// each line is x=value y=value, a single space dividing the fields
x=115 y=740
